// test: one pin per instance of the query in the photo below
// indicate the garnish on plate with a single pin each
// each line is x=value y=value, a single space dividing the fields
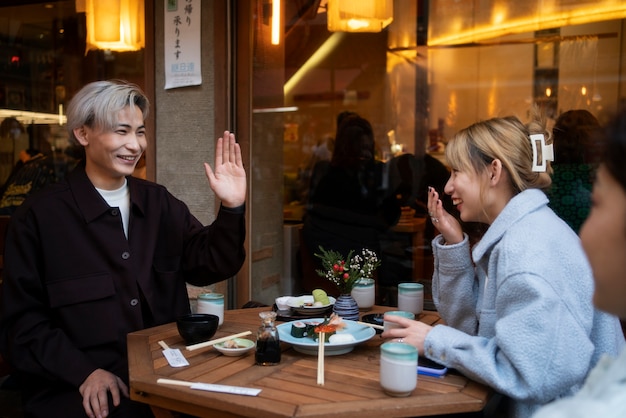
x=329 y=326
x=232 y=344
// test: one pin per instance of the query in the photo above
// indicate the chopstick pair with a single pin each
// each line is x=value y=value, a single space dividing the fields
x=320 y=351
x=217 y=340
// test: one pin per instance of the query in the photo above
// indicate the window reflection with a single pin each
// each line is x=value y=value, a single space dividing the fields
x=415 y=96
x=42 y=63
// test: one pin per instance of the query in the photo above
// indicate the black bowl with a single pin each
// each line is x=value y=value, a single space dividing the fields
x=376 y=319
x=197 y=328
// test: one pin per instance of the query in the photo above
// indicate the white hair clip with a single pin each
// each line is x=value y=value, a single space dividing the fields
x=542 y=153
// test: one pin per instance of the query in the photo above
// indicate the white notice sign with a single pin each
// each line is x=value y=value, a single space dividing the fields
x=182 y=43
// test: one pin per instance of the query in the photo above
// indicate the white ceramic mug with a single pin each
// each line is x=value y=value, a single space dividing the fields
x=390 y=325
x=364 y=292
x=411 y=297
x=211 y=303
x=398 y=368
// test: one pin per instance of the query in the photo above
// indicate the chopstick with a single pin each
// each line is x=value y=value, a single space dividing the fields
x=218 y=340
x=367 y=324
x=320 y=359
x=163 y=381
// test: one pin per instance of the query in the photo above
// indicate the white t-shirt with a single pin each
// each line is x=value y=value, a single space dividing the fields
x=119 y=198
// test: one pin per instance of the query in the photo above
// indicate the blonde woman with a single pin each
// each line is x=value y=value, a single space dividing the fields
x=517 y=303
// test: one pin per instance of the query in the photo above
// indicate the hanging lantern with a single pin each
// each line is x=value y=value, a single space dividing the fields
x=359 y=15
x=116 y=25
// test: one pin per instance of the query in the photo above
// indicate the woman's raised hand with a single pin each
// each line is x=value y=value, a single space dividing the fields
x=445 y=223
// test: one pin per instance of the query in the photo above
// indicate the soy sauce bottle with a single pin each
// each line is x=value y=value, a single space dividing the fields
x=267 y=341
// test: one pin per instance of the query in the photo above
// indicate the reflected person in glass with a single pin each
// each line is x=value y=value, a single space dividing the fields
x=349 y=207
x=575 y=148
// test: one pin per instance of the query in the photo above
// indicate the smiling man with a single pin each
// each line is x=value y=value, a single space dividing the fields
x=102 y=254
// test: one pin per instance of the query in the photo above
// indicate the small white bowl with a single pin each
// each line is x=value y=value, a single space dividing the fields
x=282 y=303
x=304 y=305
x=243 y=346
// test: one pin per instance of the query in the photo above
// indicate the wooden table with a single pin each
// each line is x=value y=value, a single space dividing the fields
x=290 y=389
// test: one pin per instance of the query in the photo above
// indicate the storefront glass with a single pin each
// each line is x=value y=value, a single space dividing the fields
x=416 y=94
x=43 y=61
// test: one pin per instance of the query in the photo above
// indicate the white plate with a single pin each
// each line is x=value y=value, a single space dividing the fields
x=297 y=303
x=361 y=333
x=233 y=352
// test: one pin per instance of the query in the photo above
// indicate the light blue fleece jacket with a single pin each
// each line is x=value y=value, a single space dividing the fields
x=519 y=311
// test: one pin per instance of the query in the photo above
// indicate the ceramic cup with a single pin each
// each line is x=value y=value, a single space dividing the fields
x=398 y=368
x=390 y=325
x=211 y=303
x=411 y=297
x=364 y=292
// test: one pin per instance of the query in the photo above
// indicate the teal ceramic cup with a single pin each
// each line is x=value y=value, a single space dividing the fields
x=398 y=368
x=211 y=303
x=390 y=325
x=411 y=297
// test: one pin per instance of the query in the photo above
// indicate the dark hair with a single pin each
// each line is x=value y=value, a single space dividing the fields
x=8 y=124
x=354 y=144
x=615 y=147
x=343 y=116
x=574 y=138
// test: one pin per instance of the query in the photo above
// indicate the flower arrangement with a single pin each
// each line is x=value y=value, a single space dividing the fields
x=345 y=272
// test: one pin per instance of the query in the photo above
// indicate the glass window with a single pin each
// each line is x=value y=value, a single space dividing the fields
x=437 y=68
x=43 y=61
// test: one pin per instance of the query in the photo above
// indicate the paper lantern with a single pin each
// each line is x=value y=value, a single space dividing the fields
x=115 y=25
x=359 y=15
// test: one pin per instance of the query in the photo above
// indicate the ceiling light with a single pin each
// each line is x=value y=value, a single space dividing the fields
x=359 y=15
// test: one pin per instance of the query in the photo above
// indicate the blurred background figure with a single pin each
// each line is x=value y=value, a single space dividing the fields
x=37 y=166
x=13 y=139
x=409 y=178
x=576 y=154
x=348 y=206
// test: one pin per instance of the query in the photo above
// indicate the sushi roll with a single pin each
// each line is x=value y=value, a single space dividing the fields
x=298 y=329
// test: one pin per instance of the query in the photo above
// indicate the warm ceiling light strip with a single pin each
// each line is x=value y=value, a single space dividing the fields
x=26 y=117
x=531 y=23
x=276 y=22
x=318 y=56
x=359 y=15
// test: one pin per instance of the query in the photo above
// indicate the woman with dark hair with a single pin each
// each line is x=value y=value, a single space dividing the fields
x=576 y=148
